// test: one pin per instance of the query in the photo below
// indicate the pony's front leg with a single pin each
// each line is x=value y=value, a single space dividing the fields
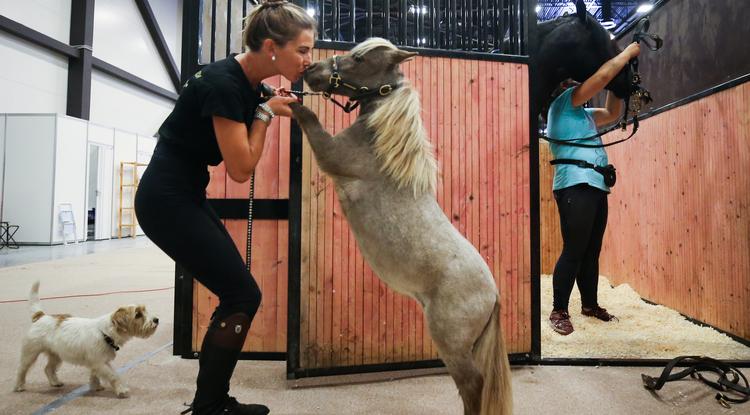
x=328 y=151
x=309 y=123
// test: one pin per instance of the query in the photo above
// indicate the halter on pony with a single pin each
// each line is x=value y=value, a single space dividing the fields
x=335 y=80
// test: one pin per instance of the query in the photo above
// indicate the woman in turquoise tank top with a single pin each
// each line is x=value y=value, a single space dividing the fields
x=580 y=192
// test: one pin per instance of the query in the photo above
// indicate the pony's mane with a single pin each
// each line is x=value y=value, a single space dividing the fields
x=370 y=44
x=401 y=143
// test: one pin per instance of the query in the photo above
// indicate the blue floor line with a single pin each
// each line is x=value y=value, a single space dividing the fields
x=85 y=388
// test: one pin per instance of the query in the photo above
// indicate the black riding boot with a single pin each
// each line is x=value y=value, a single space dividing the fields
x=219 y=353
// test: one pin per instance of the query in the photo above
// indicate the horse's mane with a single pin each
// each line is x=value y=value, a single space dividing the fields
x=401 y=142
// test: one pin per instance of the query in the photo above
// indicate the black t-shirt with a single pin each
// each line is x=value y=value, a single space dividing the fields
x=221 y=89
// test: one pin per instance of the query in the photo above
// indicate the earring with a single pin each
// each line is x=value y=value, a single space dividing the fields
x=273 y=57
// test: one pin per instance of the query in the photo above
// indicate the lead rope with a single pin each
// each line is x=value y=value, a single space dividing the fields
x=250 y=222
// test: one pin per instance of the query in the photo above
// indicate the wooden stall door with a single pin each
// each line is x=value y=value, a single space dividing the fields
x=476 y=114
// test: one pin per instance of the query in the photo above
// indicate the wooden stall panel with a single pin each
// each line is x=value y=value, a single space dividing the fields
x=269 y=245
x=477 y=118
x=679 y=216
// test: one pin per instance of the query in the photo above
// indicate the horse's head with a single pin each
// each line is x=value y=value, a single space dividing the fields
x=371 y=68
x=575 y=47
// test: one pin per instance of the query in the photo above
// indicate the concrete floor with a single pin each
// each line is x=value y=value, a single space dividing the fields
x=94 y=280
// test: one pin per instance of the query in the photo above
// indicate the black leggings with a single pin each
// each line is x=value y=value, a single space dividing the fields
x=172 y=210
x=583 y=218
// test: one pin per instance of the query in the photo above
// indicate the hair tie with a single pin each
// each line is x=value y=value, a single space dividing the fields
x=273 y=3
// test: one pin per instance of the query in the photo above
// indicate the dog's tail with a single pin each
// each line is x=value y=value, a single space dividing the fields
x=34 y=304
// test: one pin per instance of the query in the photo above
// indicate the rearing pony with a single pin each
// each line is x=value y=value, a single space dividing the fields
x=384 y=171
x=575 y=47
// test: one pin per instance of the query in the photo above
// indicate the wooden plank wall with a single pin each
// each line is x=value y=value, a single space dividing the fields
x=679 y=218
x=269 y=246
x=476 y=115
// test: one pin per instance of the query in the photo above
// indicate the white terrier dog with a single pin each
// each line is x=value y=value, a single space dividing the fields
x=90 y=342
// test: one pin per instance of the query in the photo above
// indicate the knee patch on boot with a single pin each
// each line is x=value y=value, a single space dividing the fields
x=229 y=332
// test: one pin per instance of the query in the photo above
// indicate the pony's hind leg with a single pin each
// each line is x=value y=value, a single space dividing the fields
x=468 y=380
x=454 y=331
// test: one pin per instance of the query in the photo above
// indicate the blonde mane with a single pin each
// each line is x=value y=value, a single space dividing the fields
x=401 y=142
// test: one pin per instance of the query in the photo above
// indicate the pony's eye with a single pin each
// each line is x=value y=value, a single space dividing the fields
x=358 y=59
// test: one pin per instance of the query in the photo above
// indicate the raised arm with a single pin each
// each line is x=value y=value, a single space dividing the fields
x=611 y=111
x=604 y=75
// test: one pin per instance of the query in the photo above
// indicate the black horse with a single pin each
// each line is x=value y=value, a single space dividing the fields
x=575 y=47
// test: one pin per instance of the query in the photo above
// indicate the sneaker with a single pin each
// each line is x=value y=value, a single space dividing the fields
x=559 y=320
x=234 y=407
x=598 y=312
x=230 y=406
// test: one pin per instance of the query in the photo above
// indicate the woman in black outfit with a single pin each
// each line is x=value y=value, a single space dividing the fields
x=220 y=116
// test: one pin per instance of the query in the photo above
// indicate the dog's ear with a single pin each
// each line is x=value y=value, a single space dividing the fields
x=121 y=319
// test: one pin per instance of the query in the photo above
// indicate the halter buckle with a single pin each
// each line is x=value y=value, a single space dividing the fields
x=334 y=79
x=385 y=90
x=722 y=401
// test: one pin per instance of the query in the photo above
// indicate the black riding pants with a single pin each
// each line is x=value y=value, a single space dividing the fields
x=172 y=210
x=583 y=218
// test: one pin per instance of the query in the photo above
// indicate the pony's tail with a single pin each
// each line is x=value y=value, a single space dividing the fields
x=492 y=360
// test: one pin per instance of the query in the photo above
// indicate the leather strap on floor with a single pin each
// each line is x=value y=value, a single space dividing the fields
x=728 y=378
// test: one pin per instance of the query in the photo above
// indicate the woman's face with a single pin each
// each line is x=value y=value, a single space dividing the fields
x=295 y=56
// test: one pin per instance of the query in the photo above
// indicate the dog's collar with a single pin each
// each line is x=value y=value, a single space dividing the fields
x=110 y=342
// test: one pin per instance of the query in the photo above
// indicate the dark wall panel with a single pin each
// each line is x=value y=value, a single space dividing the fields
x=705 y=45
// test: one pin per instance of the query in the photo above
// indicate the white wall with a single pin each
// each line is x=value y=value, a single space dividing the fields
x=29 y=167
x=117 y=104
x=51 y=17
x=104 y=137
x=122 y=39
x=70 y=174
x=126 y=149
x=2 y=160
x=36 y=80
x=169 y=16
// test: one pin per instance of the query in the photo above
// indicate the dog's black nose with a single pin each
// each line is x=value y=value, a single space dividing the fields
x=156 y=320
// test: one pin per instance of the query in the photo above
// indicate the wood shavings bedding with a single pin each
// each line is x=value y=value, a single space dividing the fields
x=644 y=331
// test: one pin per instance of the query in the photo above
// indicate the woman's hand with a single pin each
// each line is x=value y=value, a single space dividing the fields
x=280 y=105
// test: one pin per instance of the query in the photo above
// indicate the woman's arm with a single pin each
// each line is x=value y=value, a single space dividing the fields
x=240 y=148
x=604 y=75
x=611 y=111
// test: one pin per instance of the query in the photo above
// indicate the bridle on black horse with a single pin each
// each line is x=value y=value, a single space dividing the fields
x=640 y=94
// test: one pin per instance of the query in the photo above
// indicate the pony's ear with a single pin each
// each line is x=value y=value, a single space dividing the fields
x=581 y=10
x=398 y=56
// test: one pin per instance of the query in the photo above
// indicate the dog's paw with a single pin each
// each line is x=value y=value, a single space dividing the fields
x=19 y=388
x=57 y=384
x=123 y=393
